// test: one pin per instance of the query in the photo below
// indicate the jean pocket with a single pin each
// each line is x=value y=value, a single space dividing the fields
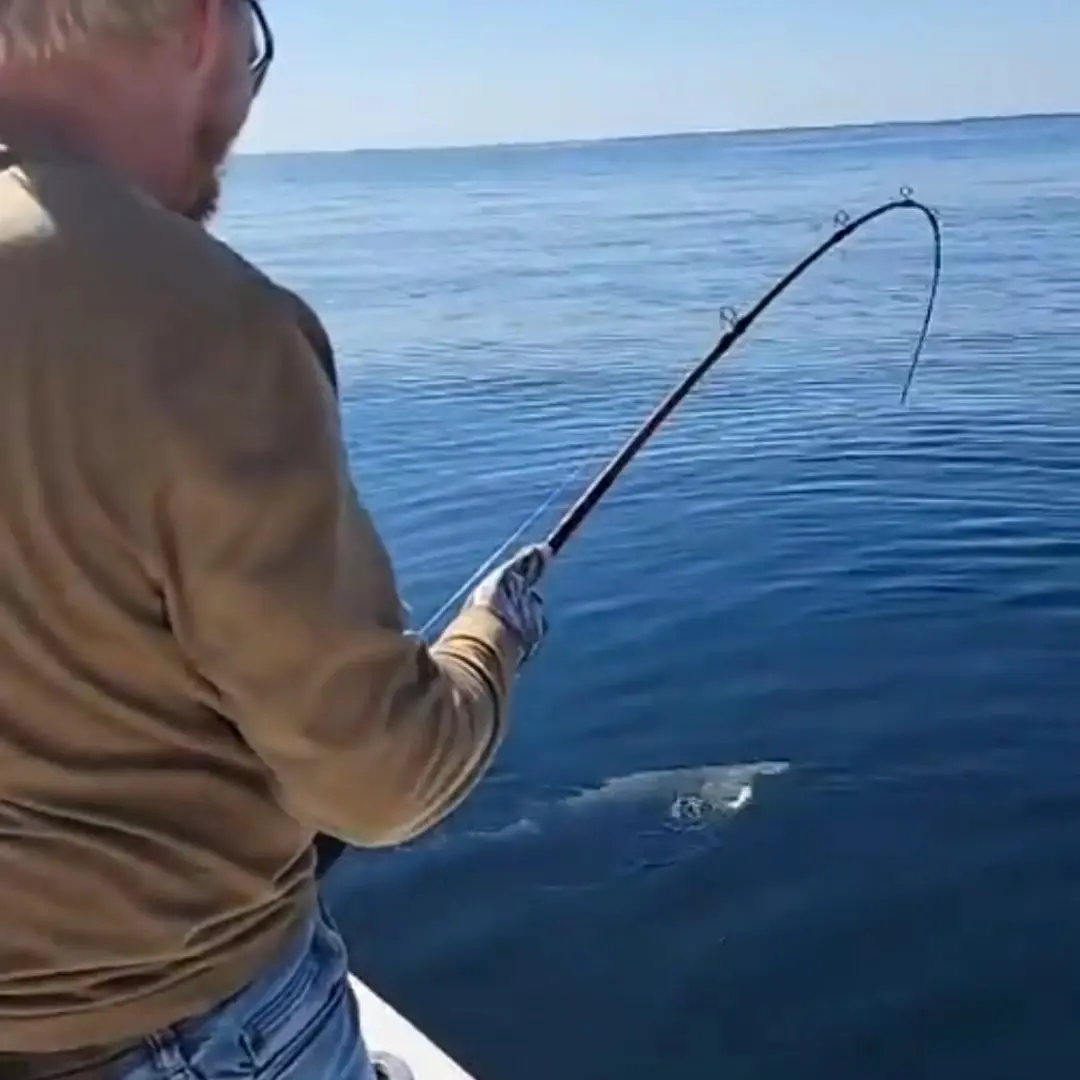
x=307 y=1011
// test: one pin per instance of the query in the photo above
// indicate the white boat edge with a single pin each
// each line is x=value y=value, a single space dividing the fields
x=386 y=1031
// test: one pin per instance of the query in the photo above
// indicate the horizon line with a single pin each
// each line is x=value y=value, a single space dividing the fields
x=599 y=140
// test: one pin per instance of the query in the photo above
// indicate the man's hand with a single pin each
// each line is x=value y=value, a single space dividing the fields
x=510 y=593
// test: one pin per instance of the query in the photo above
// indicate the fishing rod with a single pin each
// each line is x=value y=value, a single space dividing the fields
x=737 y=327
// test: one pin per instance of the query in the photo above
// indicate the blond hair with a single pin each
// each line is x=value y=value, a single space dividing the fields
x=34 y=30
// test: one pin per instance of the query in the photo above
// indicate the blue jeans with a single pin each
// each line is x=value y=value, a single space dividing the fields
x=299 y=1021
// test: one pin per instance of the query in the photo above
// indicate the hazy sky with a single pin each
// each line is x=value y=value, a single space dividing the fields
x=435 y=72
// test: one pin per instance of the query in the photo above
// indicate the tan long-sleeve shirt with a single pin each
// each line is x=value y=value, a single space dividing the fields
x=202 y=649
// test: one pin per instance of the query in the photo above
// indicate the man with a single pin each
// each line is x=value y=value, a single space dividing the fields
x=203 y=655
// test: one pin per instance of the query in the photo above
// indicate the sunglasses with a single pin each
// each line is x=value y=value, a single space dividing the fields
x=262 y=49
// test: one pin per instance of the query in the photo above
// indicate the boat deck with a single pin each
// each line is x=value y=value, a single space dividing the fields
x=387 y=1032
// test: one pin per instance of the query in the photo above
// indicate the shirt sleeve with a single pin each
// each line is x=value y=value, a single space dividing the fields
x=282 y=595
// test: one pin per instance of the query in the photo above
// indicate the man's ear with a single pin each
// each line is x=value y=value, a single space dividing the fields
x=203 y=32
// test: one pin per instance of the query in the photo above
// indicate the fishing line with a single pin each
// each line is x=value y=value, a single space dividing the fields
x=736 y=328
x=594 y=460
x=503 y=549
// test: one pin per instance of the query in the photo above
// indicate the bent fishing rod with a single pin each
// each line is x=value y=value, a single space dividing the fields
x=737 y=327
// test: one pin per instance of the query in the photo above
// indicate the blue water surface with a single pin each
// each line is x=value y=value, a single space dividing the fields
x=793 y=789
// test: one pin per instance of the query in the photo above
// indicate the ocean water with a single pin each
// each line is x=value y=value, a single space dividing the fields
x=793 y=788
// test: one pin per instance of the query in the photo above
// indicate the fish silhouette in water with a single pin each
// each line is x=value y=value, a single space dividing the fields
x=688 y=795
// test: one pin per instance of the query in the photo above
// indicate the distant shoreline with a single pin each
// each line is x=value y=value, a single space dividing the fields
x=555 y=144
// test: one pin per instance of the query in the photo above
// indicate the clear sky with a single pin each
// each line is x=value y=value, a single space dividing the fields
x=441 y=72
